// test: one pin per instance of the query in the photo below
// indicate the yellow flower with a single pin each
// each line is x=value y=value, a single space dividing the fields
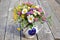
x=36 y=6
x=18 y=8
x=24 y=11
x=35 y=14
x=28 y=8
x=22 y=16
x=14 y=10
x=15 y=16
x=18 y=29
x=38 y=13
x=33 y=6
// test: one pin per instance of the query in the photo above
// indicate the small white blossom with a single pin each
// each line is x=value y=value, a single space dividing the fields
x=30 y=18
x=24 y=11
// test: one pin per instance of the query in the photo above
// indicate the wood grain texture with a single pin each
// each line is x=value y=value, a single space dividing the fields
x=55 y=22
x=56 y=9
x=0 y=0
x=2 y=28
x=11 y=32
x=3 y=17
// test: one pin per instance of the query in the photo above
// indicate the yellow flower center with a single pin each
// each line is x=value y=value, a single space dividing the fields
x=25 y=11
x=30 y=18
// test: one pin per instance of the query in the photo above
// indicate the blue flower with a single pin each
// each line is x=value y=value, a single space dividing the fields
x=32 y=32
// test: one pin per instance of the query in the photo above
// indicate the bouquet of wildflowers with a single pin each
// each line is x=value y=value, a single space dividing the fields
x=27 y=14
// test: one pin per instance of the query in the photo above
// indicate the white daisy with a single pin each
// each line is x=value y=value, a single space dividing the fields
x=24 y=11
x=30 y=18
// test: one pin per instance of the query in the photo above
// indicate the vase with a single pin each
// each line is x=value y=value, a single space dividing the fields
x=31 y=33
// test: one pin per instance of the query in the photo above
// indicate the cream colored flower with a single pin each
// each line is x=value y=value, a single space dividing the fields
x=37 y=6
x=30 y=18
x=24 y=11
x=28 y=8
x=38 y=13
x=35 y=12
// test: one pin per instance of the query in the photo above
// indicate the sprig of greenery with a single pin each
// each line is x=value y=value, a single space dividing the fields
x=49 y=20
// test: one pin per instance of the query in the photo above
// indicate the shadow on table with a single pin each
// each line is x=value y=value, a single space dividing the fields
x=58 y=1
x=0 y=0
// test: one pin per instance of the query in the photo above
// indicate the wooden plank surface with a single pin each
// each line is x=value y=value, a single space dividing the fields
x=3 y=17
x=56 y=8
x=11 y=32
x=2 y=28
x=0 y=0
x=55 y=23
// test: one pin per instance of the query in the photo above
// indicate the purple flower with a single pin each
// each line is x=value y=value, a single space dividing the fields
x=28 y=13
x=31 y=12
x=31 y=9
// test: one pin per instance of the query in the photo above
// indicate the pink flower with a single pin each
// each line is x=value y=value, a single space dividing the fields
x=19 y=13
x=25 y=3
x=36 y=19
x=29 y=3
x=40 y=9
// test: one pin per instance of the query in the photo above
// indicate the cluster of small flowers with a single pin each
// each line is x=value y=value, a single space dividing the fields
x=28 y=11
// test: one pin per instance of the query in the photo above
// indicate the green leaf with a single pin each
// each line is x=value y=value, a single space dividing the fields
x=49 y=20
x=42 y=13
x=31 y=25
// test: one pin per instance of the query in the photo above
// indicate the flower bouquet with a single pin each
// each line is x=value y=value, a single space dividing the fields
x=29 y=16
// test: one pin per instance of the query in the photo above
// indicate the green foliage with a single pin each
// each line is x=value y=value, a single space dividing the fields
x=31 y=25
x=49 y=20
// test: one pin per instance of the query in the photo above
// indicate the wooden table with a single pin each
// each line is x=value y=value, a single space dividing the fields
x=9 y=32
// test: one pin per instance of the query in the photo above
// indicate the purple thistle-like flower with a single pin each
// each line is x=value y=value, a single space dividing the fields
x=31 y=9
x=28 y=13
